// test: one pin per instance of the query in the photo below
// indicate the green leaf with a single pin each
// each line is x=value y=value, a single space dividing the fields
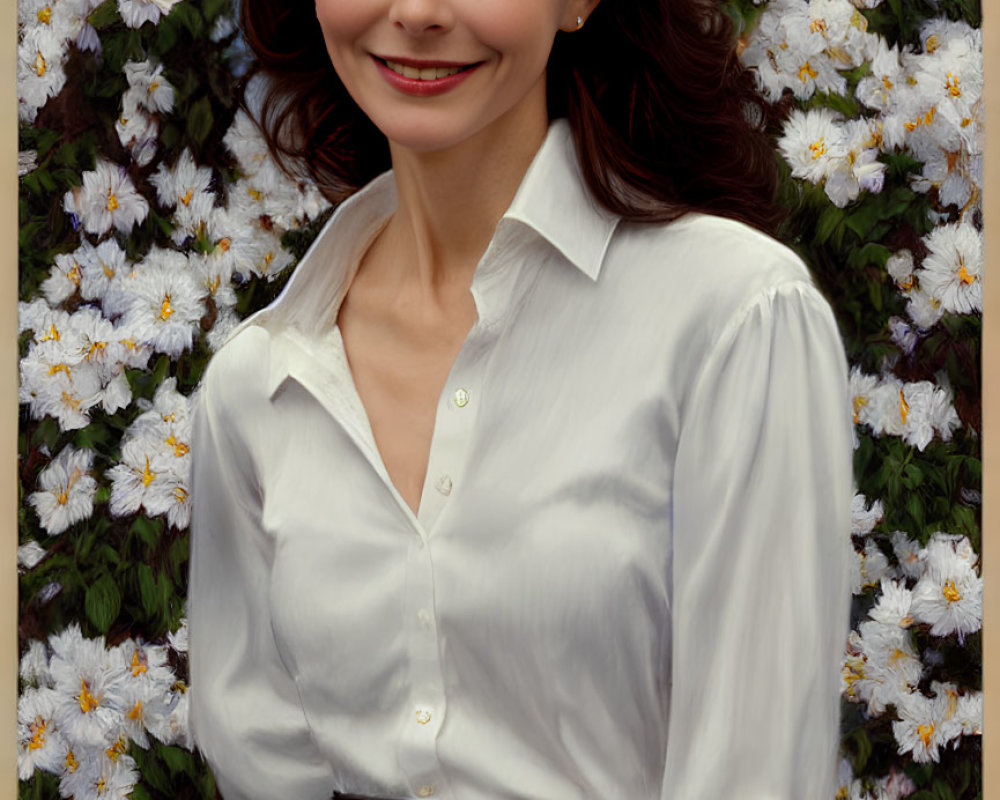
x=139 y=792
x=148 y=593
x=104 y=15
x=147 y=531
x=200 y=120
x=102 y=602
x=176 y=759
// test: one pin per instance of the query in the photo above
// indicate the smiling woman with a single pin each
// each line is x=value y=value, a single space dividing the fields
x=516 y=491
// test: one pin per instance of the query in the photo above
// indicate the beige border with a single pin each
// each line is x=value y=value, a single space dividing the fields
x=8 y=399
x=991 y=410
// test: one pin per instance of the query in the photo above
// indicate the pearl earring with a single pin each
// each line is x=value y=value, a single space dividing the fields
x=579 y=23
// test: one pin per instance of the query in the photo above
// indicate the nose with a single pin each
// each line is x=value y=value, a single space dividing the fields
x=421 y=17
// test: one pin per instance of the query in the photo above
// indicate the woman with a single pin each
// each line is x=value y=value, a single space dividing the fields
x=534 y=481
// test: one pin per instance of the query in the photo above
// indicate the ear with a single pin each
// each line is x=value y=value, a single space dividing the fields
x=577 y=14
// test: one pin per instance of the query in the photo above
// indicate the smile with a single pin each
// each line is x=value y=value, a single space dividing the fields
x=423 y=78
x=422 y=73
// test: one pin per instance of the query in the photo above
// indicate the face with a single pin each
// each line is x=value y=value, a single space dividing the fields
x=431 y=74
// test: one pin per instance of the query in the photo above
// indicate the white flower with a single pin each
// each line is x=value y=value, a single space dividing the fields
x=879 y=90
x=164 y=305
x=142 y=465
x=148 y=88
x=34 y=668
x=136 y=13
x=907 y=552
x=923 y=726
x=29 y=555
x=864 y=518
x=101 y=778
x=893 y=605
x=924 y=309
x=949 y=594
x=874 y=565
x=68 y=488
x=903 y=335
x=185 y=187
x=895 y=786
x=98 y=267
x=880 y=665
x=107 y=198
x=88 y=705
x=178 y=639
x=54 y=386
x=813 y=143
x=41 y=54
x=40 y=743
x=927 y=409
x=138 y=131
x=952 y=271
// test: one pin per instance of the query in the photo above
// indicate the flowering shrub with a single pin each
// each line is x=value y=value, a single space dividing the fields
x=152 y=220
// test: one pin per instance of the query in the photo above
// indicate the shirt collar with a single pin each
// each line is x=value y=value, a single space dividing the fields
x=552 y=200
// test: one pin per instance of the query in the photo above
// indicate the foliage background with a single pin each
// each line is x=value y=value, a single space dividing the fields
x=121 y=577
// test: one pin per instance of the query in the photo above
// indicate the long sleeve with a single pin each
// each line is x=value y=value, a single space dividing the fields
x=246 y=714
x=760 y=545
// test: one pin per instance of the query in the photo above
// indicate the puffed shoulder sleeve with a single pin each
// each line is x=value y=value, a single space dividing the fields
x=245 y=712
x=761 y=524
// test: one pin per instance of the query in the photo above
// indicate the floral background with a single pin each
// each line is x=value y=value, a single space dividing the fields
x=152 y=220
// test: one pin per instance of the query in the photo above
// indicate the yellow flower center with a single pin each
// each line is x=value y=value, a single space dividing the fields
x=61 y=368
x=904 y=407
x=71 y=762
x=147 y=475
x=886 y=82
x=806 y=71
x=225 y=243
x=45 y=15
x=925 y=732
x=897 y=655
x=929 y=116
x=117 y=749
x=153 y=86
x=95 y=349
x=63 y=497
x=101 y=785
x=70 y=401
x=87 y=701
x=136 y=712
x=817 y=148
x=138 y=665
x=112 y=200
x=180 y=449
x=932 y=43
x=818 y=26
x=964 y=276
x=53 y=334
x=39 y=63
x=186 y=199
x=180 y=494
x=966 y=122
x=37 y=729
x=951 y=594
x=166 y=309
x=951 y=84
x=255 y=194
x=214 y=284
x=859 y=403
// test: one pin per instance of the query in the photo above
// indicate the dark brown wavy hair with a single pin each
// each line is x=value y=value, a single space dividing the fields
x=665 y=118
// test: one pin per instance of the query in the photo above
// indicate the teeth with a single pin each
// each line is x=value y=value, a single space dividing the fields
x=425 y=74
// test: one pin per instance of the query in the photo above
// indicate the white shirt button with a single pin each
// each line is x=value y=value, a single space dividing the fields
x=461 y=397
x=444 y=485
x=424 y=618
x=426 y=791
x=423 y=716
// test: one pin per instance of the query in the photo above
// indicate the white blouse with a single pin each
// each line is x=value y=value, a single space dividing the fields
x=627 y=579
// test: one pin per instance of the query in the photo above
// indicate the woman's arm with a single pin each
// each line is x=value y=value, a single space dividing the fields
x=761 y=534
x=245 y=712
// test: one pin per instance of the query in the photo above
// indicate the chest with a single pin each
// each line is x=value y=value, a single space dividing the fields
x=400 y=358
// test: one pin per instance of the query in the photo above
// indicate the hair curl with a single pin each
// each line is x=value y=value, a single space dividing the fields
x=665 y=118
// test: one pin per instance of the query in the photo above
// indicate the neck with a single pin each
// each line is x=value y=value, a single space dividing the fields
x=450 y=201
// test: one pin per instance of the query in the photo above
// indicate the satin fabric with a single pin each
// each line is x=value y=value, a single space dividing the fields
x=628 y=573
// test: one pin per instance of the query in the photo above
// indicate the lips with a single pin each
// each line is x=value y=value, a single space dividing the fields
x=423 y=78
